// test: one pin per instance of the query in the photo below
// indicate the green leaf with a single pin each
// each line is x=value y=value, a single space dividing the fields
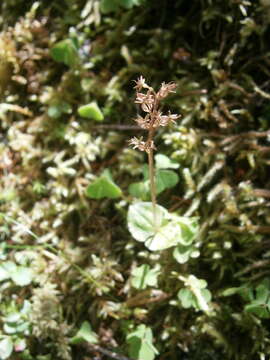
x=6 y=348
x=188 y=229
x=103 y=187
x=85 y=333
x=13 y=317
x=195 y=295
x=158 y=233
x=140 y=190
x=22 y=276
x=91 y=111
x=182 y=253
x=163 y=162
x=261 y=310
x=163 y=232
x=144 y=276
x=107 y=6
x=262 y=293
x=230 y=291
x=140 y=343
x=186 y=297
x=165 y=179
x=65 y=52
x=260 y=305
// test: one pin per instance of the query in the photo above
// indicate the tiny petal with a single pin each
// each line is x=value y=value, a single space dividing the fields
x=140 y=83
x=165 y=89
x=144 y=123
x=146 y=100
x=137 y=143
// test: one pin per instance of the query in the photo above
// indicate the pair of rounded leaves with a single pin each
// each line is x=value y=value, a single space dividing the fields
x=161 y=231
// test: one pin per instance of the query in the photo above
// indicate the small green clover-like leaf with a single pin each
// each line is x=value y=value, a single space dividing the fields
x=103 y=187
x=91 y=111
x=261 y=310
x=187 y=298
x=140 y=343
x=6 y=347
x=164 y=162
x=187 y=229
x=182 y=253
x=85 y=333
x=65 y=52
x=144 y=276
x=260 y=305
x=140 y=190
x=165 y=179
x=195 y=295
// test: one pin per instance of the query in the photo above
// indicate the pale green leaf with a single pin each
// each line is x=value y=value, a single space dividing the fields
x=140 y=343
x=144 y=276
x=164 y=162
x=85 y=333
x=6 y=348
x=165 y=179
x=261 y=310
x=91 y=111
x=186 y=297
x=162 y=231
x=196 y=294
x=157 y=232
x=103 y=187
x=140 y=190
x=188 y=228
x=65 y=52
x=182 y=253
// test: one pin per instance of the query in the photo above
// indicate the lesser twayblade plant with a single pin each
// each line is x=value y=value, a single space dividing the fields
x=151 y=223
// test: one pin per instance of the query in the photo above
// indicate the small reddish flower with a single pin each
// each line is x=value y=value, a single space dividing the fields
x=146 y=100
x=165 y=89
x=140 y=83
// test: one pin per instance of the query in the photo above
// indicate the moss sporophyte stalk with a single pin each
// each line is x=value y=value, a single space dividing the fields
x=149 y=101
